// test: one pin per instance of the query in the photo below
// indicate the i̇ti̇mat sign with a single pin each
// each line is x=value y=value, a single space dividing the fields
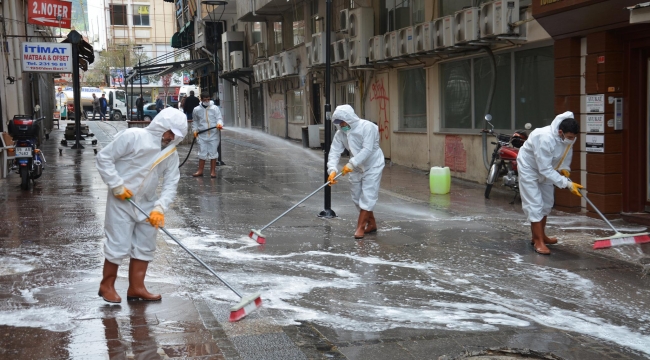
x=46 y=57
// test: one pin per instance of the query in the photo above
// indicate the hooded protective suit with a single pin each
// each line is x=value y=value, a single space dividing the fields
x=204 y=118
x=538 y=163
x=362 y=141
x=136 y=160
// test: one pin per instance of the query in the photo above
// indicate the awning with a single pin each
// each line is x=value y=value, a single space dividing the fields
x=176 y=41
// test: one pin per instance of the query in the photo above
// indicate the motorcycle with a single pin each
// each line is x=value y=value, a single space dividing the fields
x=504 y=158
x=28 y=160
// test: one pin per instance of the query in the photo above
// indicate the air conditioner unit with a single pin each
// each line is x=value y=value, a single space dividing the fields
x=308 y=50
x=236 y=60
x=333 y=52
x=406 y=41
x=390 y=45
x=344 y=20
x=496 y=17
x=376 y=48
x=260 y=50
x=358 y=52
x=266 y=71
x=466 y=25
x=289 y=63
x=342 y=49
x=274 y=63
x=256 y=73
x=319 y=47
x=424 y=37
x=362 y=23
x=448 y=29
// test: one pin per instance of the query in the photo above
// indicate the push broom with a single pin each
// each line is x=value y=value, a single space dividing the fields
x=247 y=305
x=618 y=238
x=257 y=234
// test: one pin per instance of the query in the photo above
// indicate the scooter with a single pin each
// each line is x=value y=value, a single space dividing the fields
x=29 y=160
x=504 y=158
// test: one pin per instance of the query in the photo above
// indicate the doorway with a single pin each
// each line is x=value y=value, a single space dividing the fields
x=257 y=108
x=316 y=110
x=647 y=139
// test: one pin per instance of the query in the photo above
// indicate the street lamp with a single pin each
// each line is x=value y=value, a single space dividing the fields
x=139 y=50
x=214 y=3
x=124 y=46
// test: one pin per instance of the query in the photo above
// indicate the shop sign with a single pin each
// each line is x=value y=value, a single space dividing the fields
x=46 y=57
x=601 y=59
x=595 y=123
x=49 y=13
x=596 y=103
x=595 y=143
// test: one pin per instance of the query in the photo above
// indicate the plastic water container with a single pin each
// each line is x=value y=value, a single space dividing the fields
x=439 y=180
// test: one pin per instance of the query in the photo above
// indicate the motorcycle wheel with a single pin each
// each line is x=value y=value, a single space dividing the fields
x=24 y=178
x=488 y=187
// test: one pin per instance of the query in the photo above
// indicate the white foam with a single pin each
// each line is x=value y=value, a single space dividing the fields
x=12 y=265
x=50 y=318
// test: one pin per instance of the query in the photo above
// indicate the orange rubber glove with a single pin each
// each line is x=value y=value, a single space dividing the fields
x=122 y=193
x=157 y=217
x=565 y=173
x=573 y=187
x=348 y=168
x=219 y=126
x=331 y=178
x=196 y=134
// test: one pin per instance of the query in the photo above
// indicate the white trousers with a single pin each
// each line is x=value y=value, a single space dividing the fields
x=536 y=198
x=364 y=188
x=208 y=147
x=125 y=235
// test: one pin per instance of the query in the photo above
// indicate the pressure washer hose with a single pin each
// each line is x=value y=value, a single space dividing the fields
x=194 y=140
x=489 y=103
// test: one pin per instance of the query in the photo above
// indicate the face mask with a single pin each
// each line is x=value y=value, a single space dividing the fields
x=566 y=141
x=346 y=128
x=206 y=103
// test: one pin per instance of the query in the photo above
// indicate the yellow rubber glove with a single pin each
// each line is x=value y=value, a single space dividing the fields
x=573 y=187
x=219 y=126
x=196 y=134
x=331 y=178
x=565 y=173
x=122 y=193
x=348 y=168
x=157 y=217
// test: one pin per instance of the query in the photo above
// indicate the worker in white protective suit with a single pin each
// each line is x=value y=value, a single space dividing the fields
x=204 y=117
x=544 y=161
x=361 y=138
x=132 y=165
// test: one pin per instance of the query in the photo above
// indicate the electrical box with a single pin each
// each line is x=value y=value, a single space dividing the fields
x=618 y=114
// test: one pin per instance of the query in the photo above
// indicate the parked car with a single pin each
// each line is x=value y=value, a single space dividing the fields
x=149 y=112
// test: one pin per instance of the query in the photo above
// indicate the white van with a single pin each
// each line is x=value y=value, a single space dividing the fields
x=116 y=103
x=185 y=91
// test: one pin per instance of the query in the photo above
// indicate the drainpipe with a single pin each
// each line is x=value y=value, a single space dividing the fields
x=18 y=70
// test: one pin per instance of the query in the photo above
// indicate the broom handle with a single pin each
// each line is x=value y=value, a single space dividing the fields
x=301 y=201
x=598 y=211
x=189 y=252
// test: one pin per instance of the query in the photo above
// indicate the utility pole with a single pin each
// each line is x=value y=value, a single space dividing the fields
x=75 y=40
x=328 y=212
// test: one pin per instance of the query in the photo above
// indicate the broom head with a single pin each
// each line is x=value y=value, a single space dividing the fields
x=247 y=305
x=621 y=239
x=257 y=236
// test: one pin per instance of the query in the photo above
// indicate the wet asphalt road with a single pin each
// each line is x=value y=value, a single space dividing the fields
x=444 y=275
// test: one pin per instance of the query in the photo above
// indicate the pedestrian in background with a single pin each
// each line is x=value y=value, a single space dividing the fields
x=159 y=104
x=206 y=116
x=361 y=138
x=191 y=102
x=132 y=166
x=97 y=108
x=103 y=105
x=139 y=104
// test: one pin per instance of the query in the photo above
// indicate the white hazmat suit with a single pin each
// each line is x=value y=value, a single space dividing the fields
x=538 y=163
x=136 y=160
x=362 y=141
x=204 y=118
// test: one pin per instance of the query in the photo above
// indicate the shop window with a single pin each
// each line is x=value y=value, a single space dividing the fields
x=118 y=15
x=524 y=90
x=256 y=34
x=346 y=95
x=277 y=36
x=412 y=100
x=140 y=15
x=295 y=101
x=298 y=25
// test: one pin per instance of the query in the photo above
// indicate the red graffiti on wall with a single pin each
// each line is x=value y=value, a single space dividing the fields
x=379 y=94
x=455 y=154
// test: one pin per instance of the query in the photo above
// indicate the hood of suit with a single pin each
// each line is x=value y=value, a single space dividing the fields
x=168 y=119
x=346 y=113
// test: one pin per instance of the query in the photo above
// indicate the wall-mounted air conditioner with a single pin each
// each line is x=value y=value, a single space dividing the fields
x=438 y=34
x=496 y=17
x=391 y=45
x=266 y=71
x=236 y=60
x=289 y=63
x=376 y=48
x=319 y=47
x=342 y=51
x=358 y=52
x=406 y=41
x=344 y=20
x=256 y=74
x=308 y=50
x=449 y=29
x=466 y=25
x=231 y=41
x=424 y=37
x=274 y=63
x=260 y=50
x=362 y=23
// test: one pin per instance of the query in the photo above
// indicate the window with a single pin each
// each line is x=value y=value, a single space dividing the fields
x=298 y=25
x=412 y=100
x=118 y=15
x=277 y=36
x=121 y=96
x=524 y=90
x=295 y=106
x=398 y=14
x=449 y=7
x=316 y=20
x=345 y=95
x=257 y=32
x=140 y=15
